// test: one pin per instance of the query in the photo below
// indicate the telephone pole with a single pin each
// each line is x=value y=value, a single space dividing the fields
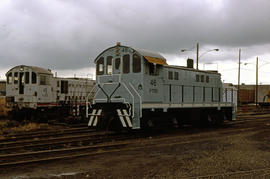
x=197 y=56
x=257 y=82
x=239 y=75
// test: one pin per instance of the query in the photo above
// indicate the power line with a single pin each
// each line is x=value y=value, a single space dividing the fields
x=229 y=69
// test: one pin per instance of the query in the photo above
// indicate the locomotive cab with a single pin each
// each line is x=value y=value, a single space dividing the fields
x=122 y=74
x=26 y=85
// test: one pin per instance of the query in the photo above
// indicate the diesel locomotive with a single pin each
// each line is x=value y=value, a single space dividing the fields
x=136 y=89
x=34 y=93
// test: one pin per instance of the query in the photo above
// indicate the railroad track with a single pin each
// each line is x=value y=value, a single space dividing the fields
x=52 y=143
x=25 y=151
x=252 y=113
x=79 y=130
x=45 y=134
x=111 y=144
x=249 y=119
x=28 y=151
x=17 y=159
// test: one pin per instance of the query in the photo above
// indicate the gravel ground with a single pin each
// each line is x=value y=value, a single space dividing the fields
x=203 y=153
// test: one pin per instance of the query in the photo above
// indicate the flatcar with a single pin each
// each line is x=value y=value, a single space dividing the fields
x=35 y=93
x=137 y=89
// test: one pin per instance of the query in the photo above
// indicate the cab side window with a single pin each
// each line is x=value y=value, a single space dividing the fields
x=117 y=63
x=100 y=66
x=9 y=78
x=136 y=64
x=26 y=77
x=153 y=69
x=44 y=80
x=126 y=63
x=34 y=78
x=109 y=65
x=16 y=78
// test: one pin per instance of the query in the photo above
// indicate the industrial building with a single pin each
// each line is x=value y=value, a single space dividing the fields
x=247 y=93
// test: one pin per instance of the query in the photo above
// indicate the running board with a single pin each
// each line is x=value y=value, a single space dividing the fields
x=94 y=117
x=124 y=118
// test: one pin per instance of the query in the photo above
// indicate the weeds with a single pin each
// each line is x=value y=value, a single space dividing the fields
x=3 y=109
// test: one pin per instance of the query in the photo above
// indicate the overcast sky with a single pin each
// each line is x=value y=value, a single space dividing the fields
x=64 y=34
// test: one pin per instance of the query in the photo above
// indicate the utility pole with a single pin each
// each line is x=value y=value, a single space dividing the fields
x=239 y=75
x=257 y=82
x=197 y=55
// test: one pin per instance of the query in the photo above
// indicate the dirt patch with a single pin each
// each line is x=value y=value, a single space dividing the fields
x=262 y=138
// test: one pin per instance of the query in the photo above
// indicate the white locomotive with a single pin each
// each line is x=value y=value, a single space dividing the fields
x=33 y=92
x=137 y=89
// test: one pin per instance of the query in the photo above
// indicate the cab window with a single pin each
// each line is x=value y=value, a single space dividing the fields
x=136 y=63
x=126 y=63
x=26 y=77
x=16 y=78
x=153 y=69
x=34 y=78
x=44 y=80
x=109 y=65
x=117 y=63
x=100 y=66
x=9 y=78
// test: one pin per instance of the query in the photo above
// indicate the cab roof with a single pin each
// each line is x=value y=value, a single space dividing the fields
x=150 y=56
x=36 y=69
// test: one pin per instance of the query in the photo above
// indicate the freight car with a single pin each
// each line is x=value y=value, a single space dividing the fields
x=34 y=93
x=136 y=89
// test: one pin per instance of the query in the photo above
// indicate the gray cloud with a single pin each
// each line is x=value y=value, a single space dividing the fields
x=65 y=34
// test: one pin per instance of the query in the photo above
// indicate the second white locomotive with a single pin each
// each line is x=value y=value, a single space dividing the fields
x=33 y=92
